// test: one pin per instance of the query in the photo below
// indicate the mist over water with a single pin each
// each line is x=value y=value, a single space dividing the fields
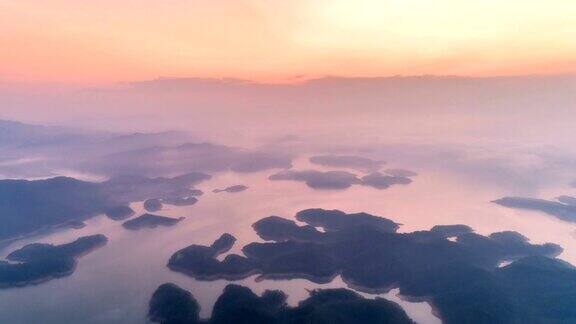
x=471 y=141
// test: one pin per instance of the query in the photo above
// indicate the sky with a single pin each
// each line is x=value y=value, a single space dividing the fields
x=108 y=41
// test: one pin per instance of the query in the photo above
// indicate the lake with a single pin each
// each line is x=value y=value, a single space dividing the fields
x=113 y=284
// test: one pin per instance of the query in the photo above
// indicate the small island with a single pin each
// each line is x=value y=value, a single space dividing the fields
x=73 y=224
x=339 y=180
x=319 y=180
x=38 y=262
x=199 y=261
x=224 y=243
x=401 y=173
x=120 y=212
x=231 y=189
x=171 y=304
x=150 y=221
x=180 y=200
x=152 y=205
x=382 y=181
x=560 y=210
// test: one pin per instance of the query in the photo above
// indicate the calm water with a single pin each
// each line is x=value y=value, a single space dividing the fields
x=113 y=284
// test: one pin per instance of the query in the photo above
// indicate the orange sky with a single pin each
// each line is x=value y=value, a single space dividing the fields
x=279 y=40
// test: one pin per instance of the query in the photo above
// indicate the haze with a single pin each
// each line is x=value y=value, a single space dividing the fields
x=282 y=41
x=421 y=152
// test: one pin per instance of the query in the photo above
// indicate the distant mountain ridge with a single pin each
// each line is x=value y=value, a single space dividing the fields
x=31 y=151
x=17 y=134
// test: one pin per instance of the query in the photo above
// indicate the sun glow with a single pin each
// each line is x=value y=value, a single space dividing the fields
x=71 y=41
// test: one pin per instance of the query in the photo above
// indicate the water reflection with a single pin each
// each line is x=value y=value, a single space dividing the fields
x=113 y=284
